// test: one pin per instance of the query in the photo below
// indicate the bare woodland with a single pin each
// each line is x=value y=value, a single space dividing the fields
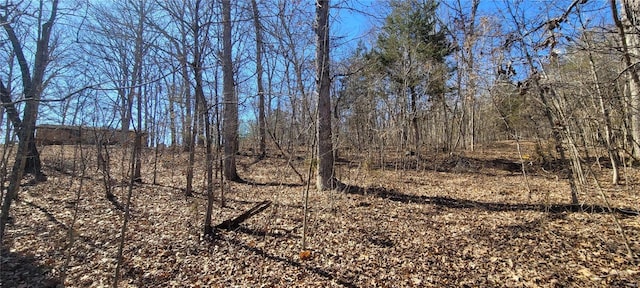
x=400 y=143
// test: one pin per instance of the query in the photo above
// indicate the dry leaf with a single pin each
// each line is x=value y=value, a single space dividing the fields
x=305 y=255
x=436 y=228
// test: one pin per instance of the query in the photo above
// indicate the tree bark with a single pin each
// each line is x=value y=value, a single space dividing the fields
x=230 y=114
x=209 y=167
x=414 y=119
x=627 y=29
x=186 y=86
x=209 y=151
x=259 y=71
x=136 y=82
x=191 y=158
x=232 y=224
x=325 y=179
x=631 y=14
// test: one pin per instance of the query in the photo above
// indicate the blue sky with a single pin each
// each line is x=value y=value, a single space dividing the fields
x=355 y=20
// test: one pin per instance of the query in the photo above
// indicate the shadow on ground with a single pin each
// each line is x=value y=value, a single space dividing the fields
x=393 y=195
x=272 y=184
x=17 y=270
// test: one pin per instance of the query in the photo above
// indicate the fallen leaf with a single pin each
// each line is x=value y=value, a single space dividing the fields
x=305 y=255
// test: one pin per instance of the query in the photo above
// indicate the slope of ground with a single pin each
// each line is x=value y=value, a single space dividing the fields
x=455 y=220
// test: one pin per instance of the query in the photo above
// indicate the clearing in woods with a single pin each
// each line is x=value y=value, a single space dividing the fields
x=467 y=219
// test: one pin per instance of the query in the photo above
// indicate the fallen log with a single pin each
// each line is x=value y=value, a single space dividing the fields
x=232 y=224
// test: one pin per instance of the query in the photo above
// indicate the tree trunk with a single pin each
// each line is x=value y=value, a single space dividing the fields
x=209 y=156
x=14 y=183
x=172 y=116
x=33 y=165
x=325 y=178
x=137 y=83
x=414 y=119
x=219 y=159
x=470 y=95
x=261 y=113
x=558 y=127
x=630 y=18
x=230 y=125
x=33 y=85
x=234 y=223
x=627 y=29
x=125 y=221
x=191 y=160
x=186 y=86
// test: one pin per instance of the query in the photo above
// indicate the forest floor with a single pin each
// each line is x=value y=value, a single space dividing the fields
x=470 y=220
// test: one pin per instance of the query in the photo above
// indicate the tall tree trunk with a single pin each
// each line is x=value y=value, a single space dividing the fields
x=196 y=66
x=209 y=153
x=209 y=166
x=203 y=109
x=469 y=60
x=325 y=179
x=219 y=159
x=137 y=83
x=230 y=125
x=259 y=71
x=186 y=87
x=630 y=40
x=201 y=125
x=137 y=175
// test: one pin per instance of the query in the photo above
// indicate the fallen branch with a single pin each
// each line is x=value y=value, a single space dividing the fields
x=232 y=224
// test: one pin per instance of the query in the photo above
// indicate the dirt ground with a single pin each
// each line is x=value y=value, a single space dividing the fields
x=458 y=219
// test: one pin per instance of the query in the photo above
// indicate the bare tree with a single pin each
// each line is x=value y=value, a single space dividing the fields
x=201 y=37
x=293 y=43
x=630 y=40
x=553 y=102
x=125 y=220
x=467 y=71
x=259 y=71
x=603 y=109
x=114 y=27
x=188 y=35
x=27 y=156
